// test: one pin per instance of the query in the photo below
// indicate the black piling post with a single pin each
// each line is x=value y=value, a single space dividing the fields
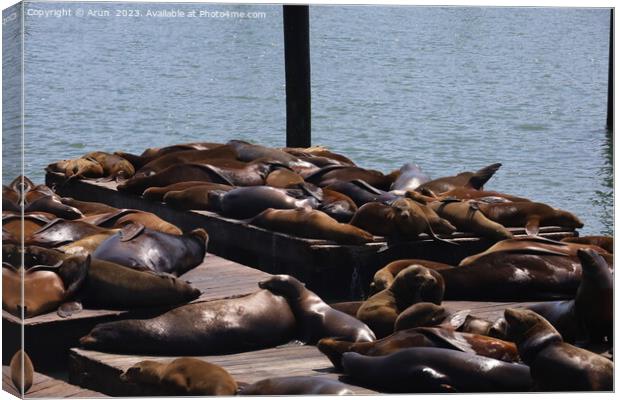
x=297 y=67
x=610 y=78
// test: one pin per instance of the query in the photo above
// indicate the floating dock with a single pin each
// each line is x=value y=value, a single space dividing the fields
x=48 y=337
x=46 y=386
x=335 y=272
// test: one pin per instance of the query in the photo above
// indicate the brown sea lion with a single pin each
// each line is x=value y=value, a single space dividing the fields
x=384 y=277
x=157 y=193
x=475 y=180
x=185 y=376
x=192 y=156
x=440 y=337
x=410 y=177
x=283 y=178
x=361 y=192
x=467 y=217
x=296 y=385
x=318 y=151
x=529 y=214
x=604 y=242
x=121 y=217
x=60 y=231
x=142 y=248
x=193 y=198
x=469 y=193
x=88 y=243
x=337 y=205
x=22 y=371
x=554 y=364
x=88 y=207
x=245 y=323
x=251 y=152
x=12 y=224
x=427 y=369
x=335 y=173
x=248 y=202
x=42 y=199
x=412 y=285
x=83 y=168
x=114 y=166
x=148 y=155
x=316 y=319
x=312 y=224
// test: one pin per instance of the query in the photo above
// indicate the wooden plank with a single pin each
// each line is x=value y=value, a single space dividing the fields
x=46 y=386
x=48 y=337
x=335 y=272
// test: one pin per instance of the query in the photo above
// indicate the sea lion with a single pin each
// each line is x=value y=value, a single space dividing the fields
x=468 y=193
x=157 y=193
x=436 y=370
x=245 y=323
x=248 y=202
x=348 y=307
x=84 y=168
x=604 y=242
x=474 y=180
x=315 y=318
x=87 y=207
x=554 y=364
x=467 y=217
x=440 y=337
x=361 y=192
x=296 y=385
x=193 y=198
x=205 y=156
x=17 y=229
x=41 y=198
x=121 y=217
x=283 y=178
x=22 y=371
x=384 y=277
x=336 y=173
x=318 y=151
x=114 y=166
x=138 y=247
x=529 y=214
x=337 y=205
x=45 y=287
x=251 y=152
x=410 y=177
x=148 y=155
x=185 y=376
x=412 y=285
x=312 y=224
x=60 y=231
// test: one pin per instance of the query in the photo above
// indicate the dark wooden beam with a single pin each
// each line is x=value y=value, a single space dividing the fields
x=297 y=66
x=610 y=78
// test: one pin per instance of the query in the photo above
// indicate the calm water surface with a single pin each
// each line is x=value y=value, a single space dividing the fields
x=451 y=89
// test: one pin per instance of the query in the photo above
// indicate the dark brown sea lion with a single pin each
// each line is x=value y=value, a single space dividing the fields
x=468 y=193
x=45 y=287
x=192 y=156
x=554 y=364
x=114 y=166
x=332 y=174
x=143 y=248
x=475 y=180
x=251 y=152
x=88 y=207
x=410 y=177
x=361 y=192
x=121 y=217
x=384 y=277
x=312 y=224
x=42 y=199
x=22 y=371
x=185 y=376
x=151 y=154
x=412 y=285
x=436 y=370
x=84 y=168
x=246 y=323
x=604 y=242
x=60 y=231
x=13 y=225
x=193 y=198
x=467 y=217
x=529 y=214
x=296 y=385
x=440 y=337
x=157 y=193
x=316 y=319
x=248 y=202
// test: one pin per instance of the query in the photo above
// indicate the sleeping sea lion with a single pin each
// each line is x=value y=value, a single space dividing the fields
x=148 y=155
x=192 y=198
x=361 y=192
x=114 y=166
x=203 y=156
x=336 y=173
x=384 y=277
x=60 y=231
x=158 y=193
x=475 y=180
x=296 y=385
x=119 y=218
x=87 y=207
x=467 y=217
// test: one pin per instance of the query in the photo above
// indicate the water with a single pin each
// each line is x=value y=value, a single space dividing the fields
x=452 y=89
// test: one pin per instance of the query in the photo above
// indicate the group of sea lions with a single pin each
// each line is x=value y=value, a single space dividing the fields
x=316 y=193
x=87 y=253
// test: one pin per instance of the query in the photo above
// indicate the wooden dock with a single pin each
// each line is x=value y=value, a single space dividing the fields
x=335 y=272
x=48 y=337
x=46 y=386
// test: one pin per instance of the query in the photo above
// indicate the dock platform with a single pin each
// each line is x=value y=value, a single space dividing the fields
x=46 y=386
x=48 y=337
x=335 y=272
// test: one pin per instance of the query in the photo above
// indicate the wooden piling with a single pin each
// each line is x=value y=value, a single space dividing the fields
x=297 y=71
x=610 y=78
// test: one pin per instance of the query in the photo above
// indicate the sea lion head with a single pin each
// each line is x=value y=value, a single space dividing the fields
x=416 y=284
x=215 y=199
x=408 y=220
x=334 y=348
x=283 y=285
x=421 y=314
x=146 y=371
x=564 y=219
x=530 y=332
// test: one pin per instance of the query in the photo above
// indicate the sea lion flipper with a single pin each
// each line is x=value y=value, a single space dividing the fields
x=533 y=225
x=130 y=231
x=481 y=176
x=69 y=308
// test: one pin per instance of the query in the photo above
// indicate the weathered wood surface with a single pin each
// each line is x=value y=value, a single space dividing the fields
x=46 y=386
x=48 y=337
x=336 y=272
